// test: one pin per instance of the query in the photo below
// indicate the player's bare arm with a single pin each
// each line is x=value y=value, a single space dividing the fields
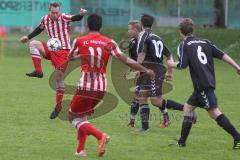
x=82 y=11
x=169 y=74
x=140 y=59
x=172 y=64
x=226 y=58
x=135 y=65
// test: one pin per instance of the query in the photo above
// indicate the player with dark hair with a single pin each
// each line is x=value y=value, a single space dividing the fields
x=151 y=50
x=94 y=51
x=56 y=25
x=198 y=54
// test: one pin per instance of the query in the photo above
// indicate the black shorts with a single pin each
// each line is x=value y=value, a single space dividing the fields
x=153 y=86
x=204 y=99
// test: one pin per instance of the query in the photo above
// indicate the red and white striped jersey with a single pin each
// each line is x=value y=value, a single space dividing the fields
x=58 y=29
x=94 y=51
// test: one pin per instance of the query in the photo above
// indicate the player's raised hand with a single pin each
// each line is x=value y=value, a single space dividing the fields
x=82 y=11
x=24 y=39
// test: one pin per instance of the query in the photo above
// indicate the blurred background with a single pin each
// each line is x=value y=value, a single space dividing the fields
x=25 y=103
x=221 y=13
x=22 y=16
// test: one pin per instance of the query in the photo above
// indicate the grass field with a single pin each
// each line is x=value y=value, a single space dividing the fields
x=27 y=133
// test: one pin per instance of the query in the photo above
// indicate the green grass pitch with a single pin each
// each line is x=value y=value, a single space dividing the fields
x=27 y=133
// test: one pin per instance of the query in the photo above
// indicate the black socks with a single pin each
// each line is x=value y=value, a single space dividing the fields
x=223 y=122
x=145 y=111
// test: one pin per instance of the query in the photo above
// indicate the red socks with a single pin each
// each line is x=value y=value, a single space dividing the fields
x=82 y=137
x=85 y=130
x=37 y=64
x=59 y=95
x=89 y=129
x=36 y=58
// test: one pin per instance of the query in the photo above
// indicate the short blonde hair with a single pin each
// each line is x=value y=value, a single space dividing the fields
x=136 y=24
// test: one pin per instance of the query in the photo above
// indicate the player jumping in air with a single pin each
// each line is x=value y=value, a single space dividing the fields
x=151 y=50
x=94 y=51
x=198 y=54
x=56 y=25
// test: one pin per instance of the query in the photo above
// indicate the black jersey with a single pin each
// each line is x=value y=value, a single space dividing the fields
x=198 y=54
x=132 y=48
x=153 y=46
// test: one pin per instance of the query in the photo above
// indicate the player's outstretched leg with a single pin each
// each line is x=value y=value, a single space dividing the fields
x=173 y=105
x=35 y=49
x=133 y=113
x=224 y=122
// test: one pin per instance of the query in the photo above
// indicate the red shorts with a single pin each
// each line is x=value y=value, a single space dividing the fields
x=59 y=58
x=84 y=102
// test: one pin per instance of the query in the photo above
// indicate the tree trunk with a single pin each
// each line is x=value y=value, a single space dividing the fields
x=219 y=13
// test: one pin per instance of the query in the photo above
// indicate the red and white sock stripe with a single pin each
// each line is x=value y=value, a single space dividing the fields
x=35 y=52
x=78 y=122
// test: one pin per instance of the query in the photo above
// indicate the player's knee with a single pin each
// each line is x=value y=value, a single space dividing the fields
x=77 y=122
x=142 y=100
x=156 y=101
x=214 y=113
x=59 y=76
x=188 y=110
x=35 y=44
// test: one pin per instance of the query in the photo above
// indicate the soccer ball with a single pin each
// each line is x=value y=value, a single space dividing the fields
x=54 y=44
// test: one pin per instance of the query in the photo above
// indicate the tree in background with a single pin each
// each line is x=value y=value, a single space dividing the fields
x=220 y=13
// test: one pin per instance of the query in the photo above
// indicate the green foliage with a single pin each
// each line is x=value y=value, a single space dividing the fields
x=153 y=4
x=226 y=39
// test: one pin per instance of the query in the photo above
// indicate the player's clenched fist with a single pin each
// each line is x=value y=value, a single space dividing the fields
x=82 y=11
x=24 y=39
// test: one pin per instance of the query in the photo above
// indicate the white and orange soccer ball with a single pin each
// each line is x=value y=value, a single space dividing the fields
x=54 y=44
